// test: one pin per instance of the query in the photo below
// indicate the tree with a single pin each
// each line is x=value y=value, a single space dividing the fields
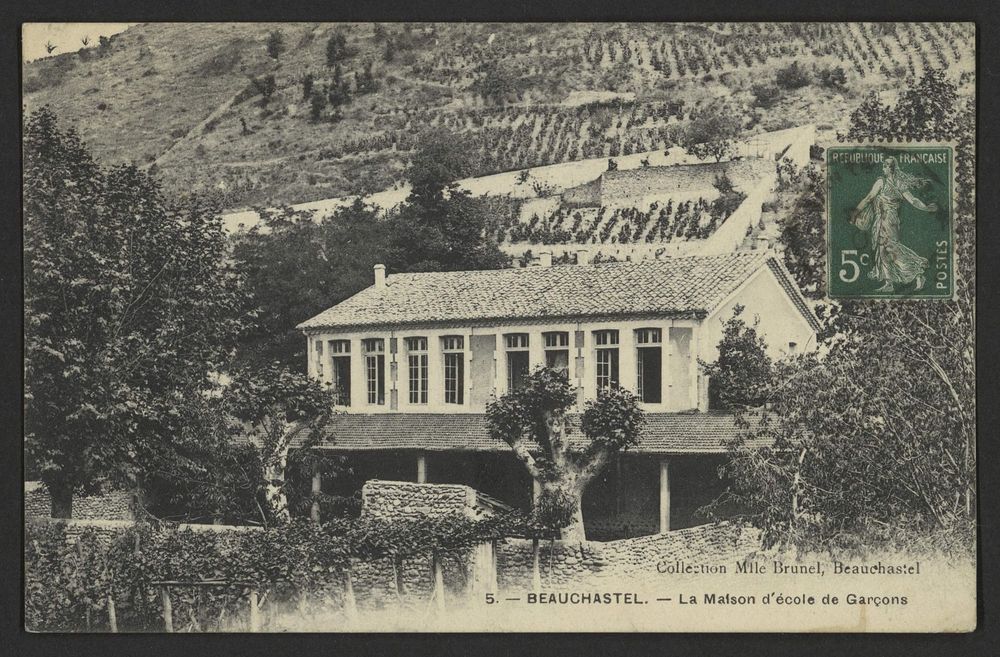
x=442 y=227
x=872 y=445
x=793 y=76
x=130 y=304
x=495 y=82
x=339 y=92
x=275 y=44
x=307 y=85
x=765 y=95
x=440 y=157
x=265 y=86
x=296 y=267
x=803 y=233
x=336 y=49
x=317 y=103
x=453 y=235
x=532 y=420
x=365 y=81
x=740 y=376
x=277 y=405
x=711 y=132
x=832 y=77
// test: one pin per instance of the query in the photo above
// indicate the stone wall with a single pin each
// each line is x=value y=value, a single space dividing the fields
x=403 y=499
x=560 y=563
x=113 y=505
x=717 y=543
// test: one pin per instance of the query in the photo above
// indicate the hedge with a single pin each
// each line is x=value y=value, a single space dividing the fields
x=69 y=583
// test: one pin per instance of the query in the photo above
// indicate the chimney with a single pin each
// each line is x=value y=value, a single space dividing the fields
x=379 y=277
x=545 y=259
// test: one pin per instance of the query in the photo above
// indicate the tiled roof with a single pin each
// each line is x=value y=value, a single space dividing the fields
x=788 y=283
x=680 y=287
x=663 y=433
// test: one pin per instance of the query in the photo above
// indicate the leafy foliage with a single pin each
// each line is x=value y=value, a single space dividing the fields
x=741 y=376
x=130 y=305
x=68 y=580
x=873 y=444
x=803 y=230
x=275 y=44
x=792 y=76
x=337 y=49
x=711 y=133
x=532 y=420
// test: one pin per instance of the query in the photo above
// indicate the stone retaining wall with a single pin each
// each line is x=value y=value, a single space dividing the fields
x=403 y=499
x=560 y=563
x=113 y=505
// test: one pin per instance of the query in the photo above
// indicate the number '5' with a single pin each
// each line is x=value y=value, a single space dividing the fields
x=855 y=271
x=490 y=599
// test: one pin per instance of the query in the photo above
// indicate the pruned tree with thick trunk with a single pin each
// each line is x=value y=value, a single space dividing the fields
x=277 y=404
x=533 y=421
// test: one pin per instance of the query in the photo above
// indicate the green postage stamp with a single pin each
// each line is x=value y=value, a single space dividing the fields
x=889 y=221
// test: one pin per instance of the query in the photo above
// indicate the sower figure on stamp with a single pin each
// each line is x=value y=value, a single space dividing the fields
x=878 y=214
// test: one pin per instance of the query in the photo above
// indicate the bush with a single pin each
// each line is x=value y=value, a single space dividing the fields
x=68 y=582
x=793 y=76
x=832 y=77
x=275 y=44
x=765 y=95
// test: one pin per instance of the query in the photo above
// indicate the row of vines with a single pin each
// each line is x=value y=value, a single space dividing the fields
x=687 y=220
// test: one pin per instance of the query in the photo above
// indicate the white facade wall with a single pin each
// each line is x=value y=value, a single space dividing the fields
x=585 y=377
x=781 y=324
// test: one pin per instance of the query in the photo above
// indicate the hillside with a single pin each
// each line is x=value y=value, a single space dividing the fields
x=176 y=96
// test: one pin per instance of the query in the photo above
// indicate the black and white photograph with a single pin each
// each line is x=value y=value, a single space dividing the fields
x=499 y=327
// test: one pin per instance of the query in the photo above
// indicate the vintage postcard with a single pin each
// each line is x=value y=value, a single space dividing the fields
x=466 y=327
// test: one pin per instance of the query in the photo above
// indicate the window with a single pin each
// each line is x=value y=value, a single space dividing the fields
x=340 y=371
x=557 y=351
x=374 y=349
x=416 y=358
x=649 y=365
x=453 y=347
x=607 y=359
x=517 y=359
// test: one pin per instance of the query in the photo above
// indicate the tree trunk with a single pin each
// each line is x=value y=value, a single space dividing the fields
x=574 y=531
x=62 y=501
x=275 y=475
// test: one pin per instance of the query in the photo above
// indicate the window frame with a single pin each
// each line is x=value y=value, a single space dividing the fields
x=453 y=357
x=516 y=343
x=647 y=339
x=340 y=350
x=374 y=362
x=607 y=345
x=417 y=360
x=556 y=342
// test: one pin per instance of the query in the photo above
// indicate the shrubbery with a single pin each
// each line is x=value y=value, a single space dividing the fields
x=68 y=583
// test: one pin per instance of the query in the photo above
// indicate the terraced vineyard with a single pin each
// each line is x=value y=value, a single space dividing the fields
x=687 y=220
x=181 y=96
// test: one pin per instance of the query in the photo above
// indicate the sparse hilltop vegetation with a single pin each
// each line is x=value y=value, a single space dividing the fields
x=269 y=114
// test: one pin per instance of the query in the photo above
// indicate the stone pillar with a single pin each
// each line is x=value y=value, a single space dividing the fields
x=536 y=491
x=421 y=468
x=664 y=496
